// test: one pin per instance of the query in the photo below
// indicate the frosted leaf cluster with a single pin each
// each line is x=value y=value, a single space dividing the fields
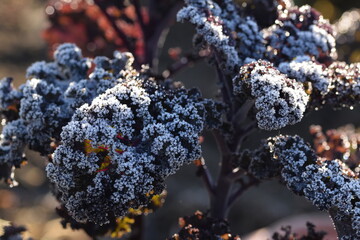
x=239 y=35
x=9 y=100
x=221 y=28
x=13 y=232
x=36 y=113
x=345 y=81
x=329 y=184
x=117 y=151
x=300 y=31
x=279 y=100
x=306 y=71
x=265 y=12
x=12 y=145
x=337 y=86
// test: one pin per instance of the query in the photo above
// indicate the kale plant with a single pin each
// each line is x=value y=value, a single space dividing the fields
x=114 y=128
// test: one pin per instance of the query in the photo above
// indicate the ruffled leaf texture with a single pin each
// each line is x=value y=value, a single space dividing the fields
x=36 y=112
x=329 y=184
x=117 y=151
x=279 y=100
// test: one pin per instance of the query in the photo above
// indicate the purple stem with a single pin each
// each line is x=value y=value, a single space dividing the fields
x=343 y=224
x=225 y=90
x=205 y=174
x=243 y=187
x=219 y=201
x=223 y=197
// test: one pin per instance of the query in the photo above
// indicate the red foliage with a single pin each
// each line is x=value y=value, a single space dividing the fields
x=98 y=29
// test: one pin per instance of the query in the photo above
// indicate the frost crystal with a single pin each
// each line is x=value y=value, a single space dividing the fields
x=329 y=184
x=337 y=86
x=300 y=31
x=345 y=80
x=306 y=71
x=220 y=26
x=49 y=98
x=9 y=100
x=117 y=151
x=12 y=144
x=279 y=101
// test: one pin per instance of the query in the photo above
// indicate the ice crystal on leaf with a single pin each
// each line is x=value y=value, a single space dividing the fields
x=9 y=100
x=309 y=72
x=49 y=98
x=113 y=133
x=279 y=100
x=337 y=85
x=345 y=80
x=117 y=151
x=300 y=31
x=221 y=28
x=329 y=184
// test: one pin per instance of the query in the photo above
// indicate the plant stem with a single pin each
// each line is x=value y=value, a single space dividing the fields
x=225 y=90
x=204 y=173
x=242 y=112
x=223 y=196
x=343 y=225
x=219 y=201
x=243 y=187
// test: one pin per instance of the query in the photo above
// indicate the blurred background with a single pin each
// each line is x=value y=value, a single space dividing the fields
x=22 y=23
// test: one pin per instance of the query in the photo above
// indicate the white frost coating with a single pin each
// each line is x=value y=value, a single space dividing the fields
x=279 y=101
x=300 y=31
x=222 y=28
x=8 y=95
x=212 y=31
x=304 y=70
x=48 y=99
x=12 y=143
x=345 y=84
x=329 y=184
x=54 y=90
x=117 y=151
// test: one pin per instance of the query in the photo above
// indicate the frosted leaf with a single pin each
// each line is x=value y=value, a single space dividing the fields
x=306 y=71
x=220 y=26
x=117 y=151
x=300 y=31
x=345 y=81
x=279 y=101
x=329 y=184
